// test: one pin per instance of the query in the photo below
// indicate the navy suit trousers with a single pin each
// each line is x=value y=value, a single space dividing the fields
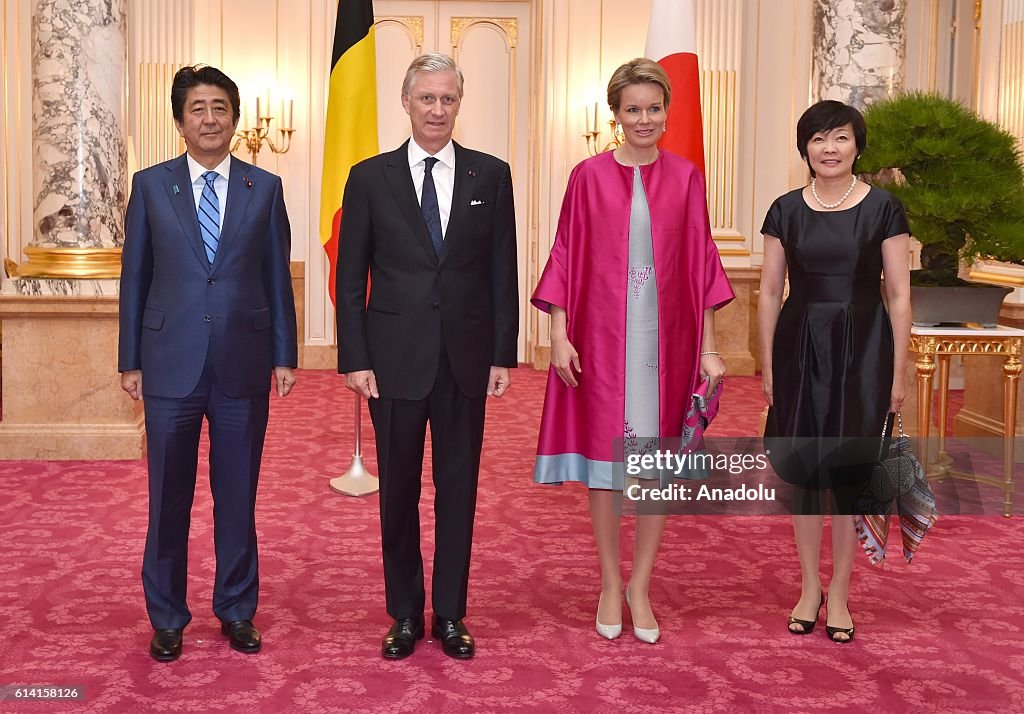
x=237 y=429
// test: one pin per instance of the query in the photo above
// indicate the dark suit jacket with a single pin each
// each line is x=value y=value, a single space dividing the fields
x=468 y=297
x=174 y=303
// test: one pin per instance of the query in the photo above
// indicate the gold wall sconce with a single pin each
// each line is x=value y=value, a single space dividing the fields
x=592 y=136
x=255 y=135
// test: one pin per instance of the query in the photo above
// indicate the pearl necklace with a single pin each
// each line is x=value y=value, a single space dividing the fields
x=837 y=204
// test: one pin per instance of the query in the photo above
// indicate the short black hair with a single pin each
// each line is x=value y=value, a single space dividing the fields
x=826 y=115
x=187 y=78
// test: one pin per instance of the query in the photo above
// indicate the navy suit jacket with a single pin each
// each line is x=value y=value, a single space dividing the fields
x=175 y=306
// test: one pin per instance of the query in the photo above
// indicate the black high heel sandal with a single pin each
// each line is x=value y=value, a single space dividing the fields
x=833 y=631
x=808 y=625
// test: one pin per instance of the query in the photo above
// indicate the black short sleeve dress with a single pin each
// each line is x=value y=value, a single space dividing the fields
x=832 y=358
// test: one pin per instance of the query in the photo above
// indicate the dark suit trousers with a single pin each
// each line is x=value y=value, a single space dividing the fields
x=456 y=432
x=237 y=429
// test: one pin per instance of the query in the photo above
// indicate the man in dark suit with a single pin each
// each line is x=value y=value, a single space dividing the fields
x=207 y=316
x=434 y=225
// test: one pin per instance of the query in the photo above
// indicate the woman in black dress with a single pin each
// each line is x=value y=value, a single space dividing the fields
x=829 y=354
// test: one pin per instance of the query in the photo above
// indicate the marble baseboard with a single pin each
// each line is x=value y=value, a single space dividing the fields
x=61 y=392
x=736 y=323
x=72 y=442
x=64 y=287
x=542 y=358
x=319 y=357
x=739 y=364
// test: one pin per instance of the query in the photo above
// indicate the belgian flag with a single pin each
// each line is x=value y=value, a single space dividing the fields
x=351 y=133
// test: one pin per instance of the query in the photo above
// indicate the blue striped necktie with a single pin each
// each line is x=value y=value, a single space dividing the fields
x=209 y=216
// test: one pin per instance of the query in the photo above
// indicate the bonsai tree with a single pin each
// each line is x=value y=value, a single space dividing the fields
x=960 y=179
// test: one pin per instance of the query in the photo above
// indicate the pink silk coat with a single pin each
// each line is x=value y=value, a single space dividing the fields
x=587 y=274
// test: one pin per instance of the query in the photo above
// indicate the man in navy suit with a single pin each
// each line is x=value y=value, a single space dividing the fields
x=207 y=320
x=433 y=223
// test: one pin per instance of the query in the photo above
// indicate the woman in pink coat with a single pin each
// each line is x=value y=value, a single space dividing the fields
x=632 y=284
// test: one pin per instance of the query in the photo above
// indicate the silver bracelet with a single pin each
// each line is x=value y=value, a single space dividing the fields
x=702 y=354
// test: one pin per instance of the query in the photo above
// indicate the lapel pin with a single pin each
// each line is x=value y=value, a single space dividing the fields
x=248 y=183
x=472 y=172
x=176 y=189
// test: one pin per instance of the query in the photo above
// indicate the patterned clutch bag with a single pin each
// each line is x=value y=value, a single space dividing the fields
x=701 y=411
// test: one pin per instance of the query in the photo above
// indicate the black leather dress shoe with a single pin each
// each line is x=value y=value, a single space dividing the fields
x=244 y=637
x=400 y=641
x=455 y=638
x=165 y=645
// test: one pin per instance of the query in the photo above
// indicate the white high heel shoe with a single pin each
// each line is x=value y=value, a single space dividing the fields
x=644 y=635
x=609 y=632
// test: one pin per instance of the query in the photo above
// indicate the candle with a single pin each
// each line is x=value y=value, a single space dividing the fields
x=268 y=105
x=586 y=115
x=291 y=113
x=245 y=115
x=257 y=109
x=283 y=125
x=596 y=127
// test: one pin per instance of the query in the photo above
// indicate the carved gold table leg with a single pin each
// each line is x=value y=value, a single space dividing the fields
x=1011 y=375
x=943 y=361
x=934 y=347
x=925 y=368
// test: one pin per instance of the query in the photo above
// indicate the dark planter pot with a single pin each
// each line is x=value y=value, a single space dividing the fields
x=934 y=306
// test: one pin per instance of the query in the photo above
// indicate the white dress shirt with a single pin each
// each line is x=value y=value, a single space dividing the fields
x=443 y=173
x=220 y=184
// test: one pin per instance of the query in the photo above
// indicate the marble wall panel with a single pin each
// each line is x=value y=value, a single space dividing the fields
x=859 y=49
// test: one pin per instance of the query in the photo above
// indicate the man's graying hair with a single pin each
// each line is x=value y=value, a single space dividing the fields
x=431 y=63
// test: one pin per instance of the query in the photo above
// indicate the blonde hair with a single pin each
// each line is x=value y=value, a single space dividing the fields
x=431 y=63
x=638 y=71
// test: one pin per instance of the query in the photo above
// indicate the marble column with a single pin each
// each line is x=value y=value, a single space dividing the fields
x=859 y=49
x=59 y=338
x=78 y=137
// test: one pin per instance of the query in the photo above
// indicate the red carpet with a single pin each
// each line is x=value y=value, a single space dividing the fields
x=941 y=635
